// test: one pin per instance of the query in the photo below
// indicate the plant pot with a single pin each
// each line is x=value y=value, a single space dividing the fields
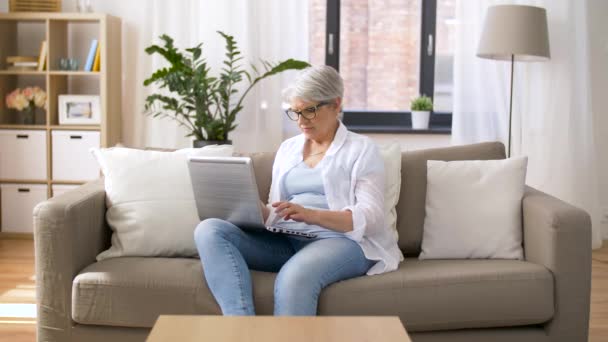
x=420 y=119
x=27 y=115
x=203 y=143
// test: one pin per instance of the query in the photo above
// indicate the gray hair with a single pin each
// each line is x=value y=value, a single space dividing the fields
x=316 y=83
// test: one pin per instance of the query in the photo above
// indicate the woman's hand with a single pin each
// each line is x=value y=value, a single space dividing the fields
x=296 y=212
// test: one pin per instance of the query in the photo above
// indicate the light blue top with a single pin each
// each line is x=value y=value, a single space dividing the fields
x=304 y=186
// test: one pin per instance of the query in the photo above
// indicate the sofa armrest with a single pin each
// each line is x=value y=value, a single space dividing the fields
x=69 y=231
x=558 y=236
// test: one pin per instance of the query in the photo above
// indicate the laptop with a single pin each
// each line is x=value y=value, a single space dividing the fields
x=225 y=188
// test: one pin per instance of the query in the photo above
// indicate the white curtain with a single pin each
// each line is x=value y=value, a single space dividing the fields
x=552 y=114
x=272 y=30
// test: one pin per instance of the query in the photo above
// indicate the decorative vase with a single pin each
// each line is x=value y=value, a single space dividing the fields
x=203 y=143
x=28 y=115
x=420 y=119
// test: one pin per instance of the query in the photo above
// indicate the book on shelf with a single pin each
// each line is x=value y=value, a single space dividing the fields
x=20 y=59
x=21 y=63
x=21 y=68
x=42 y=56
x=96 y=66
x=91 y=56
x=26 y=64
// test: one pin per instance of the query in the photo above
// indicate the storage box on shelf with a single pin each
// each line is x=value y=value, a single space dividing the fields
x=58 y=189
x=23 y=155
x=48 y=157
x=72 y=160
x=18 y=202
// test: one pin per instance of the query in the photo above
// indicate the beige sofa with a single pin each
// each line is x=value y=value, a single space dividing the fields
x=544 y=298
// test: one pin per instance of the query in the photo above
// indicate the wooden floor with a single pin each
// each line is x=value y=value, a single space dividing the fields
x=17 y=292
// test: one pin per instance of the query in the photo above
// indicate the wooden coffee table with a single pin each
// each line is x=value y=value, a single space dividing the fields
x=270 y=329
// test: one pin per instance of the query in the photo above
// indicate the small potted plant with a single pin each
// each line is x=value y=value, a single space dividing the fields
x=421 y=108
x=25 y=101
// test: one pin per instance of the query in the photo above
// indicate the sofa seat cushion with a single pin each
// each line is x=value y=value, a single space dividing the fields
x=430 y=295
x=425 y=294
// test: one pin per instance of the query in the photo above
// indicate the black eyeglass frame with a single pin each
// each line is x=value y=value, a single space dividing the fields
x=309 y=115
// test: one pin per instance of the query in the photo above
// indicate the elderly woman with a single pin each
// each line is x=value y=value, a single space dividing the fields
x=327 y=181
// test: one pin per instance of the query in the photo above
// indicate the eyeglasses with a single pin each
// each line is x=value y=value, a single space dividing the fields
x=308 y=113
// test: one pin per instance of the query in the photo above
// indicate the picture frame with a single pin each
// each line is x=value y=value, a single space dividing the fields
x=79 y=110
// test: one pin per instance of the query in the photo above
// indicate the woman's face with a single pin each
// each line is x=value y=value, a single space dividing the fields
x=318 y=119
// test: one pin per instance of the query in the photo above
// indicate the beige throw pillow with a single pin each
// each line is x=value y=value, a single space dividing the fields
x=473 y=209
x=151 y=208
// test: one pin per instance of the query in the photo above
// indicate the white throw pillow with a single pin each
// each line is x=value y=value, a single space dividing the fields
x=391 y=153
x=473 y=209
x=151 y=207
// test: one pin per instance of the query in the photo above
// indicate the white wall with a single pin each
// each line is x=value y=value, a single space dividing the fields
x=598 y=35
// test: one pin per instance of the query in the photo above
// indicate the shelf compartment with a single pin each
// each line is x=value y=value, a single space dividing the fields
x=72 y=160
x=18 y=202
x=23 y=154
x=8 y=83
x=69 y=85
x=71 y=39
x=20 y=38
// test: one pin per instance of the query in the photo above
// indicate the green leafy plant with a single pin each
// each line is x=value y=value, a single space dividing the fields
x=422 y=103
x=205 y=104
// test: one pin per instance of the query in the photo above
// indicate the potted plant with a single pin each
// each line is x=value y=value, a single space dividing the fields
x=421 y=108
x=206 y=105
x=25 y=102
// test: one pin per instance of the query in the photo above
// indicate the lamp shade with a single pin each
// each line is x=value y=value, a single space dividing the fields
x=515 y=30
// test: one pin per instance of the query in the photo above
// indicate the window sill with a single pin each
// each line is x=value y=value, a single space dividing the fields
x=394 y=123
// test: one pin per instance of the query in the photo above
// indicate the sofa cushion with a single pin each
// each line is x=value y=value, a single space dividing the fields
x=151 y=206
x=411 y=206
x=473 y=209
x=431 y=295
x=426 y=295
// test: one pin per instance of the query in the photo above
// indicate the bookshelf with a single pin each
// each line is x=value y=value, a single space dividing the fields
x=68 y=35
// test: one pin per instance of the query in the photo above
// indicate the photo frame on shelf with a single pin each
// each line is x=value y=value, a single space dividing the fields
x=79 y=110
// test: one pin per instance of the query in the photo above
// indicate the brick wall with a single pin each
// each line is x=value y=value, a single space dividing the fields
x=379 y=49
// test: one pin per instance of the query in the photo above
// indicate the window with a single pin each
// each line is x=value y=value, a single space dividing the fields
x=387 y=53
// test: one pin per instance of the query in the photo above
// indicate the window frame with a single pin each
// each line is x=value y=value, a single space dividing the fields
x=392 y=121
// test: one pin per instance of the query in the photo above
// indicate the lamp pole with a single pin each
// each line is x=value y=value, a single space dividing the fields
x=511 y=104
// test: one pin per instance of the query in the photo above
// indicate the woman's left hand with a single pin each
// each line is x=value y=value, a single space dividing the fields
x=296 y=212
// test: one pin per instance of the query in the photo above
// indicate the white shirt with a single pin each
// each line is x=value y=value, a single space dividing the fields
x=353 y=178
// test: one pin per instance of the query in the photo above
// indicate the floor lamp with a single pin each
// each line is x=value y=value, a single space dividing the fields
x=515 y=33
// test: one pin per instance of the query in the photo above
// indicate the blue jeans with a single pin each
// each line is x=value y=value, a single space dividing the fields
x=305 y=267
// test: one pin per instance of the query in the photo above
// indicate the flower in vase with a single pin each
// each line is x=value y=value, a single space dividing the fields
x=39 y=97
x=28 y=93
x=29 y=97
x=16 y=100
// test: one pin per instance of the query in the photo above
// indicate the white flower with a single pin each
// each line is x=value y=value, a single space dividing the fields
x=39 y=98
x=21 y=102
